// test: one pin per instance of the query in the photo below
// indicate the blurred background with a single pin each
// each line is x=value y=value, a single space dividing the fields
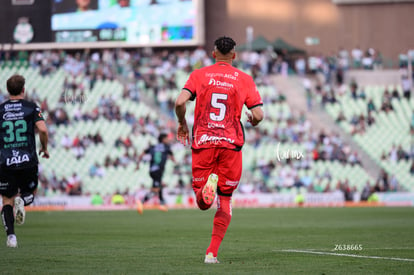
x=335 y=77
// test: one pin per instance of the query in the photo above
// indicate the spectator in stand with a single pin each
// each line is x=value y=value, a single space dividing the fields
x=370 y=119
x=395 y=94
x=366 y=192
x=401 y=154
x=100 y=171
x=300 y=66
x=328 y=188
x=383 y=156
x=341 y=117
x=66 y=142
x=386 y=105
x=307 y=180
x=74 y=185
x=393 y=154
x=354 y=159
x=367 y=61
x=412 y=122
x=78 y=151
x=412 y=168
x=371 y=106
x=158 y=71
x=386 y=96
x=394 y=184
x=354 y=90
x=383 y=180
x=406 y=86
x=307 y=84
x=343 y=57
x=297 y=183
x=346 y=190
x=377 y=187
x=362 y=94
x=357 y=54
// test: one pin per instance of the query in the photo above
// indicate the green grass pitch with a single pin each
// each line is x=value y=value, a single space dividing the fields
x=123 y=242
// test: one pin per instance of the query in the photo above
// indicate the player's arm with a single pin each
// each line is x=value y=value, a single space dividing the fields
x=255 y=116
x=180 y=110
x=254 y=103
x=44 y=138
x=141 y=156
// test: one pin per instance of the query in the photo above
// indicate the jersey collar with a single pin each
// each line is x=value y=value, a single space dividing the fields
x=222 y=63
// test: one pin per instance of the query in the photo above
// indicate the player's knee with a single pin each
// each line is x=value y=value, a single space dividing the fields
x=7 y=200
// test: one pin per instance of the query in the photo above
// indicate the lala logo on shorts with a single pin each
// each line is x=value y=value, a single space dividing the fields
x=17 y=158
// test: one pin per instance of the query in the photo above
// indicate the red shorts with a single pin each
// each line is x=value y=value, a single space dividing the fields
x=226 y=163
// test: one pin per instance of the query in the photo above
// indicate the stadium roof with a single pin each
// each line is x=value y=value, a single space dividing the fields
x=260 y=43
x=282 y=45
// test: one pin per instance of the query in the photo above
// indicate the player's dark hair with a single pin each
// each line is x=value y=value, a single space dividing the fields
x=15 y=84
x=224 y=44
x=161 y=137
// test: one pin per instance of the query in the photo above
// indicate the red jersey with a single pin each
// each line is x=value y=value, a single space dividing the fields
x=221 y=91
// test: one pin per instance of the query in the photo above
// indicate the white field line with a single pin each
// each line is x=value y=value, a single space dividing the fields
x=344 y=255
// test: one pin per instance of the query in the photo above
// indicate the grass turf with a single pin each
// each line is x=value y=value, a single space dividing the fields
x=122 y=242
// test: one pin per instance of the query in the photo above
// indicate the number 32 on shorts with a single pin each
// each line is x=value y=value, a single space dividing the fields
x=215 y=103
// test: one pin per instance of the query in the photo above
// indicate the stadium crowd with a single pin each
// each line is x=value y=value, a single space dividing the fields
x=158 y=73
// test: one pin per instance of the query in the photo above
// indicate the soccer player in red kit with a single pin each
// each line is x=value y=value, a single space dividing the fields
x=218 y=136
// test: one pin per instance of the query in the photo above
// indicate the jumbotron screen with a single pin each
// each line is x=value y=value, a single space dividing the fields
x=134 y=22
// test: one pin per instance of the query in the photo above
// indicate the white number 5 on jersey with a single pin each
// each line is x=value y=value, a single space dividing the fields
x=219 y=105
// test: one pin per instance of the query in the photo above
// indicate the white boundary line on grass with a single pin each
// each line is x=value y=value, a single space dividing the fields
x=345 y=255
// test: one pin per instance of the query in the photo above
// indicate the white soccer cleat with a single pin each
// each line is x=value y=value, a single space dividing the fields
x=210 y=259
x=19 y=212
x=11 y=241
x=210 y=189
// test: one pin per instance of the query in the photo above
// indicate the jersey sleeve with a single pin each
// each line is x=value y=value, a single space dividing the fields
x=38 y=114
x=191 y=85
x=253 y=98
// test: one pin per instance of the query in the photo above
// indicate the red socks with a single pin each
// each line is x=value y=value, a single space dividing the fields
x=221 y=222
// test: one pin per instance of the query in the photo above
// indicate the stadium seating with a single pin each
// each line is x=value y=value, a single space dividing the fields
x=389 y=128
x=127 y=179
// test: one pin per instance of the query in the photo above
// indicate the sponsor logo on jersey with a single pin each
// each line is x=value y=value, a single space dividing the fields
x=233 y=77
x=39 y=112
x=213 y=125
x=213 y=139
x=13 y=116
x=3 y=185
x=230 y=76
x=198 y=179
x=13 y=107
x=232 y=183
x=220 y=83
x=17 y=158
x=15 y=145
